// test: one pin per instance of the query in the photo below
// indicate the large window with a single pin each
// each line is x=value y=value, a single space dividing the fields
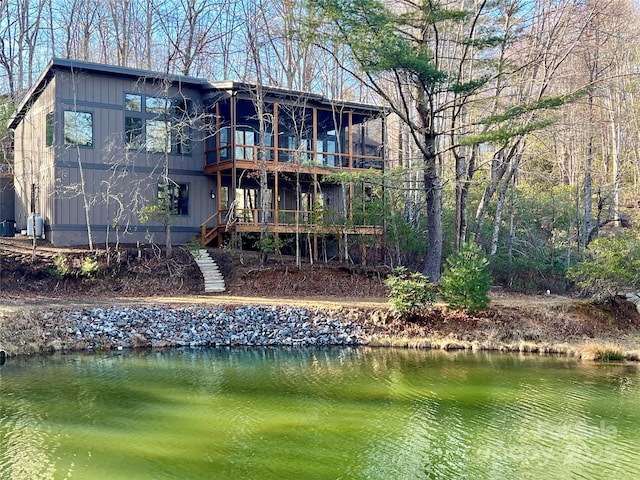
x=157 y=124
x=177 y=196
x=78 y=128
x=157 y=105
x=158 y=136
x=133 y=102
x=183 y=139
x=293 y=149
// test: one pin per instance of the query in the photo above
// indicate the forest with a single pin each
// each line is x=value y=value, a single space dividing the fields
x=512 y=123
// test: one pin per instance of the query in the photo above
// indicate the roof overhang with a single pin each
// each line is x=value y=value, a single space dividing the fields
x=215 y=90
x=58 y=64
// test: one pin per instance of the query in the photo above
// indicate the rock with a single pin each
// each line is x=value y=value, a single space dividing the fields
x=196 y=326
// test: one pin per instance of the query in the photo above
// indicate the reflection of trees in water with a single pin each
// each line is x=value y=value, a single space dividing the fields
x=23 y=446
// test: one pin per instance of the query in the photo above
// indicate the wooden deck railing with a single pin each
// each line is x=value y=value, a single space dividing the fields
x=282 y=221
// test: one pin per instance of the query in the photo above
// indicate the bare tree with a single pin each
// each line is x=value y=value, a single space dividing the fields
x=20 y=28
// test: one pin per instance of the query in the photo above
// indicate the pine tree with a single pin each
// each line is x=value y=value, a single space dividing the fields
x=465 y=282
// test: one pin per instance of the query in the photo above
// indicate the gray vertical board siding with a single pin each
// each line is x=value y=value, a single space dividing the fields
x=64 y=237
x=103 y=96
x=134 y=184
x=33 y=159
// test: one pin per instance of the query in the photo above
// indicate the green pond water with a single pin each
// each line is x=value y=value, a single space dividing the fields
x=317 y=414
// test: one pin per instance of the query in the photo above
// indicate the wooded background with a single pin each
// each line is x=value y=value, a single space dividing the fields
x=515 y=124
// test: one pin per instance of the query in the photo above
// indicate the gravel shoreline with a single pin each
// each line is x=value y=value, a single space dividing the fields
x=95 y=327
x=118 y=328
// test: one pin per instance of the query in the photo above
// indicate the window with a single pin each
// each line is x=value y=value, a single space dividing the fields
x=154 y=124
x=177 y=198
x=133 y=102
x=49 y=121
x=246 y=201
x=295 y=149
x=245 y=140
x=133 y=132
x=78 y=128
x=183 y=140
x=224 y=136
x=157 y=105
x=158 y=136
x=327 y=146
x=224 y=197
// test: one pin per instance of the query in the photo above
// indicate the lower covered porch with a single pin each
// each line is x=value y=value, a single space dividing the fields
x=298 y=213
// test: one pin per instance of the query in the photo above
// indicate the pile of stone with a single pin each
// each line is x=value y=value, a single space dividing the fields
x=106 y=328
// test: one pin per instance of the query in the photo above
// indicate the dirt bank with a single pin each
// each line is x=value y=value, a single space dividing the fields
x=33 y=298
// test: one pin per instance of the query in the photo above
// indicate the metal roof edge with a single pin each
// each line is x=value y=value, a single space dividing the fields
x=34 y=92
x=229 y=85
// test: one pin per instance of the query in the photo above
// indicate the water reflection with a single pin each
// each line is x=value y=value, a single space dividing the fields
x=23 y=440
x=314 y=413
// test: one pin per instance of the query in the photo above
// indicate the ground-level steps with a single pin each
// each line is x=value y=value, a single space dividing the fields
x=213 y=279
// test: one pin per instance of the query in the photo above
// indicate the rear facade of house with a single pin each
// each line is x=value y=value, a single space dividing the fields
x=104 y=150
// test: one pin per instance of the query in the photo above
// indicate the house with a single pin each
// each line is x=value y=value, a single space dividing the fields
x=7 y=195
x=103 y=151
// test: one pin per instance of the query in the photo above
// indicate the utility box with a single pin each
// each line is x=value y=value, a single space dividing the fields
x=35 y=226
x=7 y=228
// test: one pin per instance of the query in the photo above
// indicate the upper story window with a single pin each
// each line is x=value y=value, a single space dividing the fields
x=157 y=105
x=157 y=124
x=158 y=136
x=49 y=129
x=78 y=128
x=183 y=139
x=245 y=139
x=133 y=102
x=133 y=134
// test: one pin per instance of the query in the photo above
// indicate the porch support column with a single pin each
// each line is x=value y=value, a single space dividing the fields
x=218 y=203
x=234 y=173
x=315 y=224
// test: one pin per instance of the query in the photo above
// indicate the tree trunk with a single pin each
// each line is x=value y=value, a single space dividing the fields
x=167 y=240
x=464 y=174
x=502 y=195
x=587 y=195
x=433 y=192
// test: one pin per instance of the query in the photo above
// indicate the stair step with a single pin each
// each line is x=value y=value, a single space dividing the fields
x=212 y=277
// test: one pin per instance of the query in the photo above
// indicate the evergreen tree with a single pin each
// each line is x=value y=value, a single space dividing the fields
x=465 y=282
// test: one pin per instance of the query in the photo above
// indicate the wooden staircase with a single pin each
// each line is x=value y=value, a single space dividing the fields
x=209 y=234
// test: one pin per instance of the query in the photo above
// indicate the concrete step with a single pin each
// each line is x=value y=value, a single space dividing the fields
x=213 y=278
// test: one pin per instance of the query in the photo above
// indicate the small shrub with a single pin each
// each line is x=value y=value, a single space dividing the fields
x=194 y=246
x=409 y=293
x=268 y=244
x=89 y=267
x=61 y=267
x=611 y=266
x=465 y=282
